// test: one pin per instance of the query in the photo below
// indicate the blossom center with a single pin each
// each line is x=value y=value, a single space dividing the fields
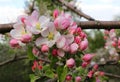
x=23 y=32
x=38 y=26
x=50 y=36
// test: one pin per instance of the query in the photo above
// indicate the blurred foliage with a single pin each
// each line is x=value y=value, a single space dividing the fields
x=16 y=71
x=95 y=39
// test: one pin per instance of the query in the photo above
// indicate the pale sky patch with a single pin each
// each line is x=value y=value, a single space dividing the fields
x=98 y=9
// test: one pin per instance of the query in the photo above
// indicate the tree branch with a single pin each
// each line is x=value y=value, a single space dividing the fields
x=112 y=75
x=99 y=24
x=73 y=8
x=15 y=58
x=4 y=28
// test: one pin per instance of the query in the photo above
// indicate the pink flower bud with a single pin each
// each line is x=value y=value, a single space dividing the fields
x=14 y=43
x=26 y=38
x=84 y=64
x=55 y=13
x=35 y=51
x=78 y=79
x=40 y=67
x=23 y=19
x=95 y=66
x=114 y=44
x=118 y=41
x=101 y=73
x=87 y=57
x=82 y=35
x=77 y=39
x=68 y=77
x=66 y=47
x=44 y=48
x=35 y=65
x=56 y=23
x=83 y=44
x=73 y=47
x=65 y=24
x=78 y=31
x=90 y=74
x=106 y=32
x=70 y=62
x=54 y=52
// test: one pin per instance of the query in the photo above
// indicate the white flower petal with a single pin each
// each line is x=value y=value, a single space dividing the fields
x=35 y=15
x=51 y=27
x=43 y=19
x=51 y=43
x=61 y=42
x=45 y=33
x=69 y=38
x=40 y=41
x=17 y=25
x=57 y=36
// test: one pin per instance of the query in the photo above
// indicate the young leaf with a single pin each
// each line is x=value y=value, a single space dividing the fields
x=33 y=78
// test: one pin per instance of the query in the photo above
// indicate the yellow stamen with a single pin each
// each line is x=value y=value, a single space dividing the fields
x=38 y=26
x=50 y=36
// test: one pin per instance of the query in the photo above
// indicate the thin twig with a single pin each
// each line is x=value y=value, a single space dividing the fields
x=73 y=8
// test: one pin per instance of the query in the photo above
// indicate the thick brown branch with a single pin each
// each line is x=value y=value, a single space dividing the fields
x=112 y=75
x=73 y=8
x=6 y=27
x=83 y=24
x=99 y=24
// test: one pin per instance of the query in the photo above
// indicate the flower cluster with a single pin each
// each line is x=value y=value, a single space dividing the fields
x=59 y=40
x=112 y=43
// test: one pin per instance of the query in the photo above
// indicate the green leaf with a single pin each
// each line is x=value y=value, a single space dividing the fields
x=49 y=73
x=81 y=70
x=33 y=78
x=62 y=72
x=30 y=54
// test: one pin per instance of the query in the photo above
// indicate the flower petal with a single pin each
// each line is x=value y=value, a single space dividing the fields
x=45 y=33
x=61 y=53
x=51 y=43
x=69 y=38
x=35 y=15
x=61 y=42
x=40 y=41
x=51 y=27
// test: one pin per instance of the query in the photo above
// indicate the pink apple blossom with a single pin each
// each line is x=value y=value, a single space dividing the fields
x=14 y=43
x=54 y=52
x=49 y=36
x=44 y=48
x=35 y=51
x=87 y=57
x=60 y=53
x=73 y=48
x=70 y=63
x=55 y=13
x=20 y=33
x=36 y=24
x=68 y=77
x=26 y=38
x=77 y=39
x=84 y=64
x=84 y=44
x=63 y=21
x=90 y=74
x=78 y=79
